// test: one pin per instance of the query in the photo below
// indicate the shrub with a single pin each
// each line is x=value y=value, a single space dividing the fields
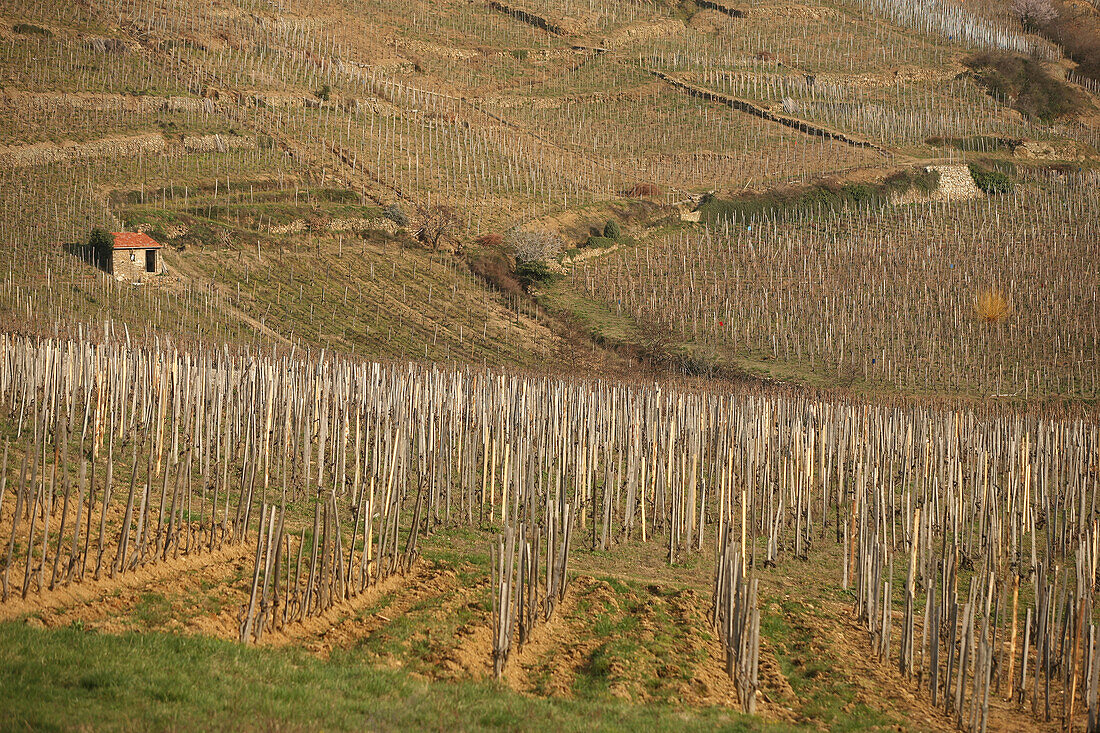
x=535 y=271
x=324 y=93
x=992 y=306
x=101 y=44
x=496 y=269
x=859 y=193
x=642 y=190
x=812 y=199
x=991 y=181
x=397 y=215
x=1077 y=30
x=924 y=181
x=29 y=29
x=535 y=246
x=100 y=244
x=519 y=54
x=820 y=197
x=611 y=230
x=492 y=239
x=599 y=242
x=700 y=362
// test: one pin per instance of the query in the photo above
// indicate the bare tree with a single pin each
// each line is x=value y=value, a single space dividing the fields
x=437 y=224
x=1034 y=13
x=535 y=246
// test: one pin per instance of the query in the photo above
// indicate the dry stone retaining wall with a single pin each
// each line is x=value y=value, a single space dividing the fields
x=298 y=226
x=55 y=102
x=22 y=156
x=43 y=153
x=217 y=143
x=955 y=184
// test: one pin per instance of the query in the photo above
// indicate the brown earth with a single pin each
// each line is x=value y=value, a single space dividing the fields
x=93 y=600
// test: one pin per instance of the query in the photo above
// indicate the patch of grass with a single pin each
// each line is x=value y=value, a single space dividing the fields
x=600 y=321
x=205 y=597
x=924 y=181
x=98 y=680
x=593 y=680
x=399 y=632
x=463 y=548
x=53 y=679
x=599 y=242
x=607 y=625
x=152 y=609
x=765 y=366
x=268 y=214
x=619 y=586
x=817 y=199
x=379 y=604
x=648 y=644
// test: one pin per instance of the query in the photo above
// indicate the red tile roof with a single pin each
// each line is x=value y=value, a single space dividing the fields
x=134 y=240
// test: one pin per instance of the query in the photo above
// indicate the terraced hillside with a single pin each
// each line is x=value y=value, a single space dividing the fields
x=614 y=364
x=173 y=116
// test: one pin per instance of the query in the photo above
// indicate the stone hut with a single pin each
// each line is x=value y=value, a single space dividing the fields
x=135 y=256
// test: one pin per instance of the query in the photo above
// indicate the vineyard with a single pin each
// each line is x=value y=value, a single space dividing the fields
x=772 y=293
x=619 y=364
